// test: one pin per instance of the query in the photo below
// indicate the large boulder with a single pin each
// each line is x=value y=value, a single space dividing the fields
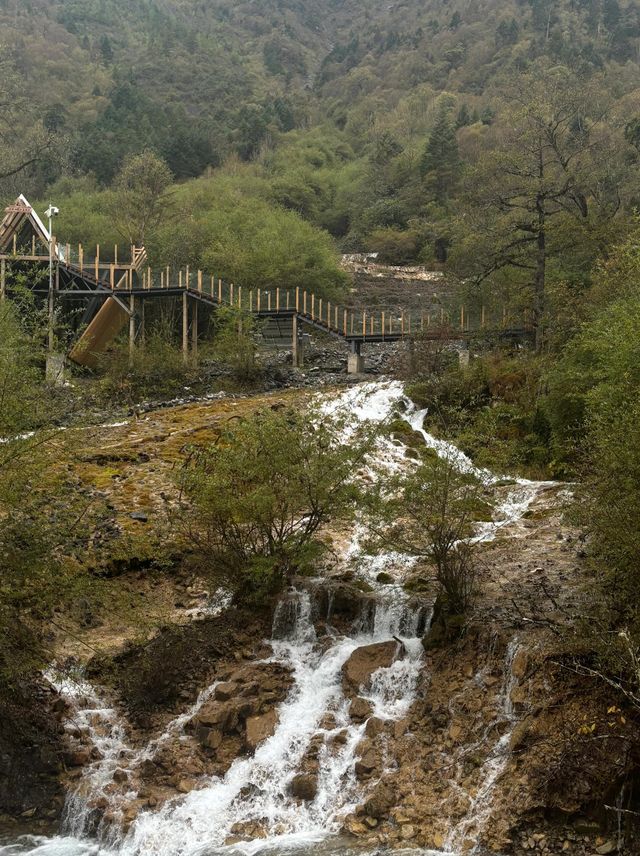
x=360 y=709
x=367 y=659
x=261 y=727
x=380 y=801
x=304 y=786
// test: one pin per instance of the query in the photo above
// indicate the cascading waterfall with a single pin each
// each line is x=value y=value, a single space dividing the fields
x=104 y=729
x=481 y=806
x=204 y=819
x=208 y=816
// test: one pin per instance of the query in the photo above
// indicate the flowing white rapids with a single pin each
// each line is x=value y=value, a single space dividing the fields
x=481 y=805
x=205 y=818
x=255 y=793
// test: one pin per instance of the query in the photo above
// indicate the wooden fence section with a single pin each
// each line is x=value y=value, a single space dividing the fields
x=128 y=273
x=341 y=321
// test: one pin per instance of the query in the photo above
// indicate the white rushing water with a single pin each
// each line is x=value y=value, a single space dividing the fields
x=480 y=808
x=255 y=792
x=205 y=818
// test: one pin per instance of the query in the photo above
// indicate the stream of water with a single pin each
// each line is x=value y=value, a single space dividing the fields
x=200 y=822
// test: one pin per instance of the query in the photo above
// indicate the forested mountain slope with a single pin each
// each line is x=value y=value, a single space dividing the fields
x=200 y=79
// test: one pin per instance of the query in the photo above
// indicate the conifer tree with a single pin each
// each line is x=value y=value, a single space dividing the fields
x=440 y=164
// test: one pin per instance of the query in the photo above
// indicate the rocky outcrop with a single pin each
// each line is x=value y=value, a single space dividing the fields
x=304 y=786
x=360 y=709
x=31 y=751
x=242 y=712
x=367 y=659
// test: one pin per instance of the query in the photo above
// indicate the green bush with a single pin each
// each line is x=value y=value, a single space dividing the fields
x=153 y=370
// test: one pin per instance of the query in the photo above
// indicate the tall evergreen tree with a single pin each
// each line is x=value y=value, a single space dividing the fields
x=440 y=164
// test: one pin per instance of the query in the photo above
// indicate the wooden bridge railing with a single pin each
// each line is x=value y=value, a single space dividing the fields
x=129 y=272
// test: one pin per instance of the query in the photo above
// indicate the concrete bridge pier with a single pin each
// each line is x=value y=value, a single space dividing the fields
x=463 y=355
x=355 y=360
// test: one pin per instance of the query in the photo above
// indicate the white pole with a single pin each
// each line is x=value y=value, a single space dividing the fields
x=50 y=212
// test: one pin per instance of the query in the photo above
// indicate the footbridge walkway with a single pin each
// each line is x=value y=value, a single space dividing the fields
x=112 y=292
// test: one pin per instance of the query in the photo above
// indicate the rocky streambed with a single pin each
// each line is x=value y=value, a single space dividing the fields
x=345 y=717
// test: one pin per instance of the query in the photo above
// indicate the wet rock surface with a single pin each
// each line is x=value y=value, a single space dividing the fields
x=367 y=659
x=32 y=753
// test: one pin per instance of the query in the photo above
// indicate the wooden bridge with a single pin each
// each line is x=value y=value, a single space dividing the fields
x=113 y=290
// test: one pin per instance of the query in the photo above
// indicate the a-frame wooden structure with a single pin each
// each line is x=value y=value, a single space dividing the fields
x=23 y=232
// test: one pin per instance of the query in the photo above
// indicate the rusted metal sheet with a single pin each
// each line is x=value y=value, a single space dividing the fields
x=106 y=325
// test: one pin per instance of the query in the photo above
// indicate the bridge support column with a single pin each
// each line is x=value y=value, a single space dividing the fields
x=194 y=330
x=142 y=324
x=185 y=326
x=297 y=345
x=355 y=360
x=54 y=368
x=132 y=328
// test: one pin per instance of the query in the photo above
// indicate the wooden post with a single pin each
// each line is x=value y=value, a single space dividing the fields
x=297 y=299
x=132 y=328
x=344 y=321
x=371 y=325
x=161 y=279
x=115 y=255
x=81 y=258
x=320 y=310
x=259 y=298
x=295 y=352
x=329 y=314
x=402 y=323
x=213 y=285
x=364 y=323
x=231 y=294
x=185 y=325
x=239 y=297
x=288 y=298
x=382 y=325
x=3 y=278
x=200 y=281
x=168 y=278
x=33 y=245
x=336 y=318
x=462 y=318
x=187 y=278
x=269 y=301
x=352 y=323
x=15 y=244
x=313 y=305
x=304 y=302
x=180 y=278
x=277 y=300
x=251 y=300
x=482 y=319
x=194 y=330
x=112 y=276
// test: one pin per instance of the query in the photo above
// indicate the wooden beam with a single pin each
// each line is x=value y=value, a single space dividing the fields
x=185 y=326
x=132 y=328
x=194 y=330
